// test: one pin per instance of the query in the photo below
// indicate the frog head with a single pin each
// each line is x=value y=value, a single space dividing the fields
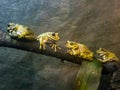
x=71 y=45
x=12 y=26
x=53 y=36
x=106 y=56
x=12 y=29
x=80 y=50
x=20 y=31
x=102 y=51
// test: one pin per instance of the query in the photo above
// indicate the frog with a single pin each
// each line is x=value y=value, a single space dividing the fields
x=20 y=32
x=105 y=55
x=79 y=50
x=50 y=38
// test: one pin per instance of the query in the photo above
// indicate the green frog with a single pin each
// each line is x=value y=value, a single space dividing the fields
x=20 y=32
x=79 y=50
x=106 y=56
x=50 y=38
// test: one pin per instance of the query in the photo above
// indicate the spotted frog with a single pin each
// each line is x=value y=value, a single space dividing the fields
x=20 y=32
x=79 y=50
x=106 y=56
x=48 y=38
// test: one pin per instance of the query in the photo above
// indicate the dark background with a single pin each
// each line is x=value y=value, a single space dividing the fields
x=92 y=22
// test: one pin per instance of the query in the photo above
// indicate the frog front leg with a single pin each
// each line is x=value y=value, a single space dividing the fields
x=103 y=61
x=21 y=34
x=70 y=51
x=54 y=46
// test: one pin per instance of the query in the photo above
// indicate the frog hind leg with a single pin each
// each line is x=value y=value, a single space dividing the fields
x=40 y=47
x=31 y=37
x=42 y=44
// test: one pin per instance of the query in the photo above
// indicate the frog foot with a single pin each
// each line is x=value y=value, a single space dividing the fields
x=70 y=52
x=54 y=46
x=42 y=47
x=103 y=61
x=20 y=37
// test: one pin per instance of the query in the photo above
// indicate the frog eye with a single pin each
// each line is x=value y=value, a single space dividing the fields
x=103 y=49
x=76 y=48
x=8 y=25
x=68 y=41
x=53 y=34
x=71 y=43
x=14 y=29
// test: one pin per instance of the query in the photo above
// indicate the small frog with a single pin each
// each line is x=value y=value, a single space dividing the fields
x=106 y=56
x=79 y=50
x=20 y=32
x=50 y=38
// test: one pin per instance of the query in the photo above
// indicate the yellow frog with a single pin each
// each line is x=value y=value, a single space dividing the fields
x=20 y=32
x=106 y=56
x=79 y=50
x=50 y=38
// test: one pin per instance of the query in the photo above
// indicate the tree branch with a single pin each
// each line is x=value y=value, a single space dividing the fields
x=33 y=46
